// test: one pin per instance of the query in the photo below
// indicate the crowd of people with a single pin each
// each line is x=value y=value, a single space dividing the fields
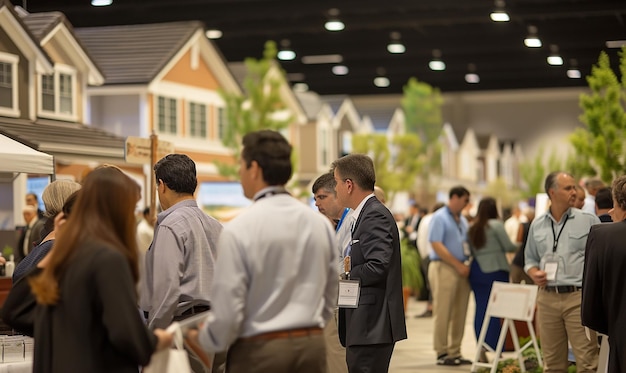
x=289 y=289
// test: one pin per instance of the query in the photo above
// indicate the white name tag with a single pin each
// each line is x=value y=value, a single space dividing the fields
x=349 y=291
x=551 y=269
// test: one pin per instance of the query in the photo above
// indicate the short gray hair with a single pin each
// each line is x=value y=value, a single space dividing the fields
x=55 y=195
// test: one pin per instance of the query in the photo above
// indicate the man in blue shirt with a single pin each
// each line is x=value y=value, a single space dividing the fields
x=448 y=275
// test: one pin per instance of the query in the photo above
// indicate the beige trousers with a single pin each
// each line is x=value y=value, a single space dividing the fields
x=335 y=352
x=450 y=296
x=559 y=321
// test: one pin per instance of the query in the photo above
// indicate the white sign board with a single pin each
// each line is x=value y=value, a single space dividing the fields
x=138 y=150
x=512 y=301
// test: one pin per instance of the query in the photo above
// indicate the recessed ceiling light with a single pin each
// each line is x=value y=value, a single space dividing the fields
x=322 y=58
x=340 y=70
x=101 y=2
x=213 y=34
x=300 y=87
x=286 y=55
x=334 y=25
x=437 y=65
x=573 y=74
x=555 y=60
x=396 y=48
x=532 y=42
x=499 y=16
x=381 y=82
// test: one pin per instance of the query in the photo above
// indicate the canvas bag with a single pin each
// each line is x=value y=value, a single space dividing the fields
x=170 y=360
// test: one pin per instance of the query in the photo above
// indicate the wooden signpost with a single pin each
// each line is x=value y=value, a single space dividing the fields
x=148 y=151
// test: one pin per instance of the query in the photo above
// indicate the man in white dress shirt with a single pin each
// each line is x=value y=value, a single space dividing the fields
x=275 y=284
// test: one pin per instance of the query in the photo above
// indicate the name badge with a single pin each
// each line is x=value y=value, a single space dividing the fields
x=551 y=268
x=349 y=291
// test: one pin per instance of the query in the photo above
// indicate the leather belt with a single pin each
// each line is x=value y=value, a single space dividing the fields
x=562 y=289
x=195 y=309
x=293 y=333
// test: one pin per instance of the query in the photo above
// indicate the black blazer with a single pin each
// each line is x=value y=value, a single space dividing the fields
x=604 y=293
x=375 y=257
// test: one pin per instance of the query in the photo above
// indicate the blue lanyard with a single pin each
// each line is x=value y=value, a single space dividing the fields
x=345 y=212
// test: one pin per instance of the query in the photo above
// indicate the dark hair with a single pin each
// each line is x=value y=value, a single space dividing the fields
x=326 y=181
x=459 y=191
x=619 y=191
x=93 y=218
x=551 y=182
x=477 y=233
x=34 y=195
x=178 y=172
x=604 y=199
x=271 y=151
x=146 y=211
x=357 y=167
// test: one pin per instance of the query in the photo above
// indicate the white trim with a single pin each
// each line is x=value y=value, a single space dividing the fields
x=195 y=57
x=205 y=146
x=114 y=90
x=76 y=52
x=215 y=62
x=13 y=61
x=16 y=32
x=187 y=93
x=82 y=150
x=56 y=114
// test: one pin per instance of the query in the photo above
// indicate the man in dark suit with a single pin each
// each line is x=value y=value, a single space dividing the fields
x=30 y=234
x=604 y=294
x=370 y=330
x=411 y=224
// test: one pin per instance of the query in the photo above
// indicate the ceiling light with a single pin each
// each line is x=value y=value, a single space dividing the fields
x=395 y=46
x=499 y=14
x=322 y=58
x=101 y=2
x=333 y=23
x=340 y=70
x=213 y=34
x=573 y=72
x=285 y=53
x=554 y=58
x=532 y=40
x=436 y=64
x=615 y=43
x=381 y=81
x=471 y=77
x=300 y=87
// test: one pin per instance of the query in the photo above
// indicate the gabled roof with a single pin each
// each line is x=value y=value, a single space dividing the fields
x=64 y=137
x=40 y=24
x=47 y=24
x=136 y=54
x=23 y=38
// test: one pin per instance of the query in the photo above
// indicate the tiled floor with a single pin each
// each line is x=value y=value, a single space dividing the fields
x=416 y=354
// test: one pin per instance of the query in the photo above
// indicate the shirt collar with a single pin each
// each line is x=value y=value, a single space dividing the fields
x=270 y=190
x=357 y=211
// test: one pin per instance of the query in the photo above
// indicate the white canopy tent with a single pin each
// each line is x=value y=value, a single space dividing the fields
x=17 y=157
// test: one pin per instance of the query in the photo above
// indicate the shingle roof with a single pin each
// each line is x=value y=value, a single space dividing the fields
x=135 y=54
x=43 y=132
x=40 y=24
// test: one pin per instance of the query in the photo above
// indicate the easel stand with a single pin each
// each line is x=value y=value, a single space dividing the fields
x=511 y=302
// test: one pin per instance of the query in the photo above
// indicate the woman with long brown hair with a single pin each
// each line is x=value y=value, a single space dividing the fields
x=489 y=243
x=87 y=318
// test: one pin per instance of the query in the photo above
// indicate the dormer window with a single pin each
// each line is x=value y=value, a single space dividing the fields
x=8 y=84
x=58 y=93
x=167 y=116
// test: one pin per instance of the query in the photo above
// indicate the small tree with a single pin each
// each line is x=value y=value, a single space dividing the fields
x=261 y=108
x=396 y=162
x=421 y=104
x=599 y=146
x=534 y=172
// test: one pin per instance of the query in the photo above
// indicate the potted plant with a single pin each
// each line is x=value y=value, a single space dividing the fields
x=412 y=280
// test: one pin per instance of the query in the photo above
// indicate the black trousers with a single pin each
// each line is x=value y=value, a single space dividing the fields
x=369 y=358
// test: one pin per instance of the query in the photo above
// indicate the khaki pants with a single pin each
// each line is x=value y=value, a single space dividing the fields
x=450 y=296
x=335 y=352
x=283 y=355
x=559 y=320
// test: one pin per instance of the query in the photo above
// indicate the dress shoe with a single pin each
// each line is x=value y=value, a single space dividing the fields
x=427 y=313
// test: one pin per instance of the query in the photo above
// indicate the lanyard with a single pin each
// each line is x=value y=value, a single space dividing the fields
x=556 y=238
x=345 y=212
x=270 y=193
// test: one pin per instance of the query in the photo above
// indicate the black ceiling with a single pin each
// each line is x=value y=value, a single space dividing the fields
x=460 y=29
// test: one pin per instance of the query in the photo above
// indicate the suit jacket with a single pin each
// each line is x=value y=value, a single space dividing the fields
x=33 y=238
x=604 y=293
x=375 y=258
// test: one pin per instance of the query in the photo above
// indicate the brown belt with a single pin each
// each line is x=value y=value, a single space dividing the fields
x=293 y=333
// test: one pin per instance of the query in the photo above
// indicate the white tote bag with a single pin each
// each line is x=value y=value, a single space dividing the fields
x=170 y=360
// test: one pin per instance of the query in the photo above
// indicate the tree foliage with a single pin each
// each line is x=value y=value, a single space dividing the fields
x=534 y=172
x=421 y=104
x=261 y=108
x=396 y=161
x=599 y=146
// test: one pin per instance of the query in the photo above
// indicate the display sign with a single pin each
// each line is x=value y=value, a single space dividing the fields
x=139 y=149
